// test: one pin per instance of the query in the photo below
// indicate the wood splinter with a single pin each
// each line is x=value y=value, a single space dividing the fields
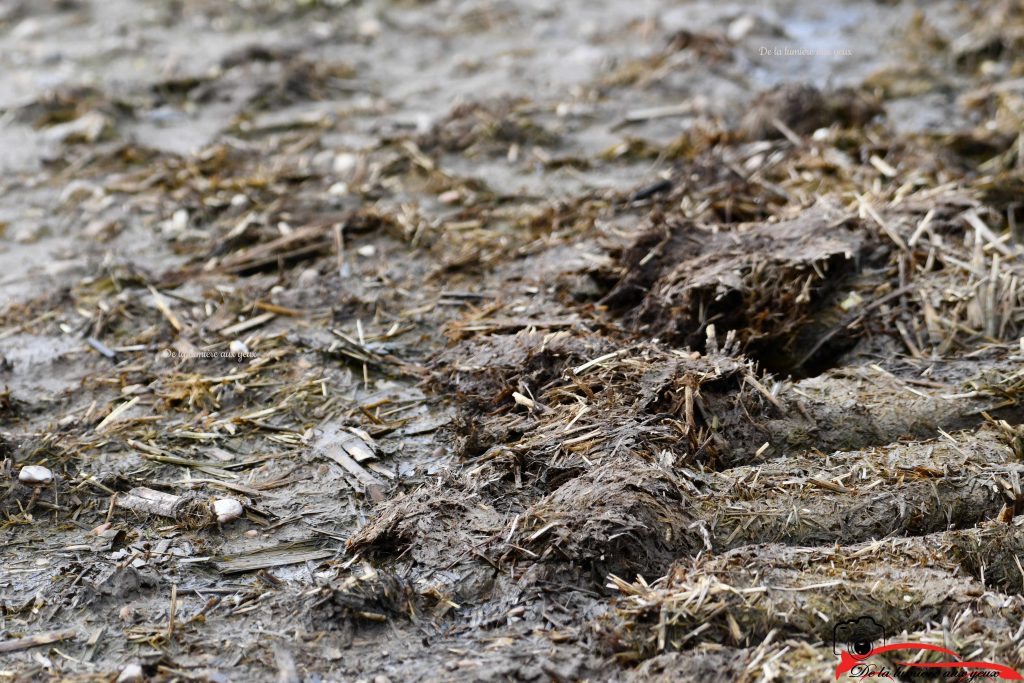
x=37 y=640
x=190 y=511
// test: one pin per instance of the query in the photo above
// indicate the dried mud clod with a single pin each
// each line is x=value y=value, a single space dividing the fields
x=640 y=399
x=626 y=516
x=437 y=521
x=484 y=371
x=802 y=109
x=303 y=81
x=768 y=283
x=366 y=600
x=482 y=128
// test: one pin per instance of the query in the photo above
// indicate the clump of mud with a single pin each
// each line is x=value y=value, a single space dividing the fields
x=477 y=128
x=625 y=517
x=802 y=109
x=767 y=283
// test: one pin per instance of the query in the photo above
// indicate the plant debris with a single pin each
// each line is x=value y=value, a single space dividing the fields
x=408 y=341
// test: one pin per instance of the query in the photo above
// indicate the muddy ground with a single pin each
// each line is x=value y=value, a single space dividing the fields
x=539 y=341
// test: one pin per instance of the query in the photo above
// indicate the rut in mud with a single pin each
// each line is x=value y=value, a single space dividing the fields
x=575 y=343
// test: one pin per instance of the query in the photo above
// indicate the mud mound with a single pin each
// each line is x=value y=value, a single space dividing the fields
x=767 y=282
x=364 y=600
x=486 y=370
x=486 y=128
x=624 y=516
x=427 y=524
x=743 y=596
x=845 y=498
x=802 y=109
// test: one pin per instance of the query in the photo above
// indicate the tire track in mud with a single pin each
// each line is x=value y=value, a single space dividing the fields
x=595 y=452
x=743 y=595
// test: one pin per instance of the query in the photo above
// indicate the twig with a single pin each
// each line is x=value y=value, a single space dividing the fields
x=173 y=610
x=166 y=310
x=984 y=232
x=115 y=415
x=37 y=640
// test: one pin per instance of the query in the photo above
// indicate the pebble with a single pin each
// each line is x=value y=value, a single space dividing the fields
x=29 y=28
x=345 y=163
x=238 y=348
x=35 y=474
x=178 y=222
x=741 y=27
x=227 y=510
x=308 y=278
x=449 y=197
x=102 y=229
x=130 y=674
x=370 y=28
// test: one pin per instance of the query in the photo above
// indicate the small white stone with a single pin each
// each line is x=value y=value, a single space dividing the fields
x=345 y=163
x=130 y=674
x=741 y=27
x=238 y=348
x=338 y=189
x=35 y=474
x=308 y=278
x=227 y=510
x=852 y=301
x=370 y=28
x=424 y=122
x=29 y=28
x=176 y=224
x=367 y=250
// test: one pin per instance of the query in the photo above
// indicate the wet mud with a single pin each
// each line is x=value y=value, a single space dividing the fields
x=393 y=341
